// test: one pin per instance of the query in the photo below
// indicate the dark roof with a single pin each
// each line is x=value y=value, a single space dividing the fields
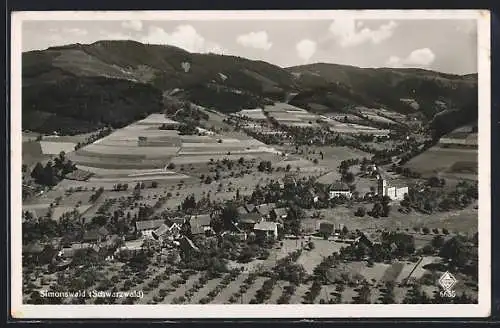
x=148 y=225
x=202 y=220
x=241 y=210
x=281 y=211
x=197 y=229
x=91 y=235
x=264 y=209
x=339 y=186
x=103 y=231
x=33 y=248
x=253 y=217
x=160 y=231
x=250 y=207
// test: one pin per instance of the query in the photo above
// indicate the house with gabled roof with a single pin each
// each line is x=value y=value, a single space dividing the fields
x=146 y=228
x=96 y=235
x=247 y=221
x=250 y=207
x=339 y=189
x=160 y=231
x=266 y=229
x=264 y=209
x=200 y=224
x=241 y=210
x=279 y=213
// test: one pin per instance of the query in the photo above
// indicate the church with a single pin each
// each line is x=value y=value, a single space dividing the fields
x=392 y=191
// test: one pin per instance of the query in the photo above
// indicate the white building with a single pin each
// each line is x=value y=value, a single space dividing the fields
x=339 y=189
x=393 y=192
x=147 y=227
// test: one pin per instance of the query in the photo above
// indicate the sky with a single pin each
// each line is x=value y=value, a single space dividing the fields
x=445 y=45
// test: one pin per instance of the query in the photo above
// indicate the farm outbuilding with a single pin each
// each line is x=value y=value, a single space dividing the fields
x=266 y=229
x=147 y=227
x=339 y=189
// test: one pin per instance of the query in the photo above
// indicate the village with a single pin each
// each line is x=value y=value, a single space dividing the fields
x=275 y=206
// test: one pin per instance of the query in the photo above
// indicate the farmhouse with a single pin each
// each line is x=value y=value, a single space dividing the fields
x=339 y=189
x=264 y=209
x=279 y=213
x=200 y=224
x=250 y=207
x=266 y=229
x=247 y=221
x=394 y=192
x=241 y=210
x=147 y=227
x=96 y=235
x=166 y=232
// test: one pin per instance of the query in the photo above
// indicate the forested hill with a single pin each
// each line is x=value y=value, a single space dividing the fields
x=78 y=87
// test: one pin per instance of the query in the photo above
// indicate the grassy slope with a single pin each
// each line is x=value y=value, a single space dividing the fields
x=385 y=87
x=118 y=81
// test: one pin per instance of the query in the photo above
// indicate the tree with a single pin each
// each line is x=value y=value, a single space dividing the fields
x=189 y=203
x=437 y=242
x=229 y=215
x=406 y=201
x=455 y=251
x=434 y=182
x=294 y=217
x=348 y=177
x=37 y=172
x=361 y=211
x=377 y=210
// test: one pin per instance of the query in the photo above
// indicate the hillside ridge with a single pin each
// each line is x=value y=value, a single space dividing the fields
x=116 y=82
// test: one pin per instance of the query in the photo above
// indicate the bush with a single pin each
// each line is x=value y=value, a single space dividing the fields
x=361 y=211
x=425 y=230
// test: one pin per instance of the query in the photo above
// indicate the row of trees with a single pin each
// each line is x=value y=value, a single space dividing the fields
x=428 y=200
x=53 y=171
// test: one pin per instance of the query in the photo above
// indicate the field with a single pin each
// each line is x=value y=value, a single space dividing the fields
x=352 y=128
x=40 y=151
x=334 y=155
x=288 y=115
x=180 y=164
x=122 y=157
x=252 y=114
x=375 y=116
x=54 y=147
x=450 y=161
x=461 y=221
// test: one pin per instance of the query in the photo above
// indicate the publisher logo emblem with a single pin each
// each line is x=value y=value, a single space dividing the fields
x=447 y=281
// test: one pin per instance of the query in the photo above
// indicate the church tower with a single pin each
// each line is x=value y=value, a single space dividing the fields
x=381 y=186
